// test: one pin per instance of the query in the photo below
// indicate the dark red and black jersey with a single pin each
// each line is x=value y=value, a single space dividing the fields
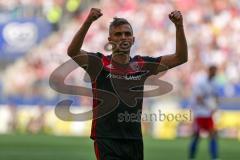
x=118 y=95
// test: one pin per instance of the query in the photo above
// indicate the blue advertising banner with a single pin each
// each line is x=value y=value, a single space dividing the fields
x=18 y=36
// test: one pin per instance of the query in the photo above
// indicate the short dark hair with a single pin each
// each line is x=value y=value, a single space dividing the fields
x=117 y=22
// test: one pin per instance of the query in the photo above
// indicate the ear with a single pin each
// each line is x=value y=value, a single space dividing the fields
x=133 y=40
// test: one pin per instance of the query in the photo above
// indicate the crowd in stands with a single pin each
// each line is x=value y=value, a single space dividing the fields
x=54 y=11
x=212 y=30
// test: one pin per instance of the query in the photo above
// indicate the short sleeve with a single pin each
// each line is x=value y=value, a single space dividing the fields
x=94 y=65
x=151 y=64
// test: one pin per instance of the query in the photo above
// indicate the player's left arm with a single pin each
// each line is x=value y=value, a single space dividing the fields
x=181 y=54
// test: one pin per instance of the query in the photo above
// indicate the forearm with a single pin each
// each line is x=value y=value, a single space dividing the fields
x=181 y=44
x=76 y=44
x=181 y=54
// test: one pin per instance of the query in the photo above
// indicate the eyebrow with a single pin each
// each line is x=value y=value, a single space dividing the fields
x=123 y=32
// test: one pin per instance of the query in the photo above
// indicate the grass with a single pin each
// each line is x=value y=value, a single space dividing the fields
x=46 y=147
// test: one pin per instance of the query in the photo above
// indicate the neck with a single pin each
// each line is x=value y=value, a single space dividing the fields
x=121 y=58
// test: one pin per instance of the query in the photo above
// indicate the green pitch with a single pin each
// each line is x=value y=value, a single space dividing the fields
x=44 y=147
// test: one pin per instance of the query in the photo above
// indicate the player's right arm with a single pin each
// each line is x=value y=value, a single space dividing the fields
x=75 y=48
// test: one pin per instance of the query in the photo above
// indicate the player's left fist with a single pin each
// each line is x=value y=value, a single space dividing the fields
x=176 y=18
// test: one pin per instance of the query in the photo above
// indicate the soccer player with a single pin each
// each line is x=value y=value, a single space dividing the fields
x=204 y=105
x=115 y=136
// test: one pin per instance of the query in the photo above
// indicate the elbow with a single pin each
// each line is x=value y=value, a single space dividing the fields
x=70 y=52
x=186 y=57
x=183 y=59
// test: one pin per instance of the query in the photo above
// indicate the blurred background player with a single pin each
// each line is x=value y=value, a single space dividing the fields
x=204 y=103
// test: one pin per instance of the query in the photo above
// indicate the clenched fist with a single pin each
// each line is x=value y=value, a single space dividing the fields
x=176 y=18
x=94 y=14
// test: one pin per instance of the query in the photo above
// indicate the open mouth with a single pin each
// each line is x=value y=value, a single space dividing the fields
x=124 y=45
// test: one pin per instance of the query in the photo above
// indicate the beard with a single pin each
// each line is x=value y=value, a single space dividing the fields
x=119 y=52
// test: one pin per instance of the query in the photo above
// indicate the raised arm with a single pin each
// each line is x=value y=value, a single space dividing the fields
x=181 y=54
x=75 y=46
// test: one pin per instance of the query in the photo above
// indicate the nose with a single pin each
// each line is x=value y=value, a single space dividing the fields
x=123 y=36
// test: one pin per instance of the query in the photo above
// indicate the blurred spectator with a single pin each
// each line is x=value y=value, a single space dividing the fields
x=212 y=31
x=13 y=121
x=36 y=124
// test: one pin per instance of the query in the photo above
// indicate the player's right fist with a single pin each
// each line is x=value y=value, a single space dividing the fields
x=94 y=14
